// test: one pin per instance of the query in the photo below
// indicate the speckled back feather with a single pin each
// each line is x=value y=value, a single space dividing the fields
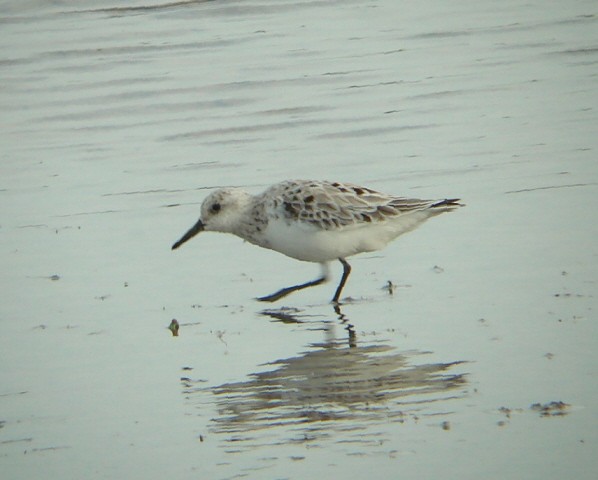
x=334 y=205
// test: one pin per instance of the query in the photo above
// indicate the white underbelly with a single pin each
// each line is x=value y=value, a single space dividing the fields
x=306 y=242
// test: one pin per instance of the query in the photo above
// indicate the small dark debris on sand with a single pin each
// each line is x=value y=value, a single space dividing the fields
x=551 y=409
x=174 y=327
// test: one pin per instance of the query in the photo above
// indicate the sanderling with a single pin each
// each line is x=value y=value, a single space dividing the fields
x=314 y=221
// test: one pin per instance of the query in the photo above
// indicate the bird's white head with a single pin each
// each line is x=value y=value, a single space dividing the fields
x=221 y=211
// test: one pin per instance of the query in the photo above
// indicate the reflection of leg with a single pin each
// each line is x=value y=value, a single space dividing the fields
x=348 y=326
x=284 y=315
x=346 y=272
x=283 y=292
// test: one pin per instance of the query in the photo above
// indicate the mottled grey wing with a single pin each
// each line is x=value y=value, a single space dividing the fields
x=337 y=205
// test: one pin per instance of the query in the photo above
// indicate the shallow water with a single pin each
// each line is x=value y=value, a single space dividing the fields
x=118 y=119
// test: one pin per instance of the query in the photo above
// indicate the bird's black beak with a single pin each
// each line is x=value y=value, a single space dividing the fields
x=194 y=230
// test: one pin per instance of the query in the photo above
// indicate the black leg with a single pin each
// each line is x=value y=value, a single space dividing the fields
x=285 y=291
x=346 y=272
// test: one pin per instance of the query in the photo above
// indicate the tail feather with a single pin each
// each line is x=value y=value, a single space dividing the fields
x=448 y=204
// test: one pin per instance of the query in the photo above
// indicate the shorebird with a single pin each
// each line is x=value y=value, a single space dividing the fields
x=314 y=221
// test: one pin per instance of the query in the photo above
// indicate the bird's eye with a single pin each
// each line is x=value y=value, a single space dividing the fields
x=215 y=208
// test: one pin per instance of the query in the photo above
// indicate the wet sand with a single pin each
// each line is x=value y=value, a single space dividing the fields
x=119 y=120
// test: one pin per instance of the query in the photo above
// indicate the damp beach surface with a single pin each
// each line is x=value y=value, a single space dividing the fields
x=465 y=349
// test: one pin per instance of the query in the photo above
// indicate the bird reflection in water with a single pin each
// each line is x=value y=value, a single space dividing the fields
x=294 y=315
x=334 y=386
